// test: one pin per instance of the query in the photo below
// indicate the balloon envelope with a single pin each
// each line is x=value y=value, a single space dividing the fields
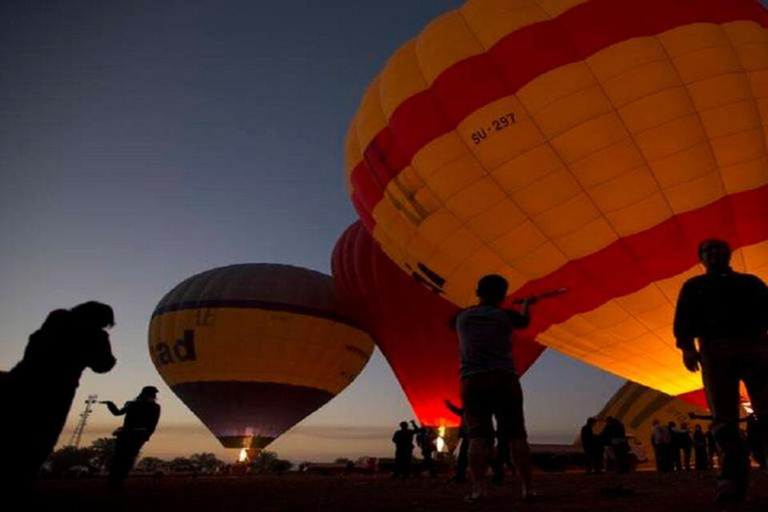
x=571 y=143
x=410 y=324
x=252 y=349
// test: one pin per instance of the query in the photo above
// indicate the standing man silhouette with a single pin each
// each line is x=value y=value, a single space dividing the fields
x=727 y=312
x=141 y=417
x=489 y=384
x=403 y=440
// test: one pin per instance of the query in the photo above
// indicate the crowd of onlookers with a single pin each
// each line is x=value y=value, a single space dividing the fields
x=675 y=447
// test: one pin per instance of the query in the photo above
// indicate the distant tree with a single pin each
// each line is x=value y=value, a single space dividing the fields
x=103 y=450
x=207 y=462
x=68 y=457
x=182 y=464
x=269 y=462
x=150 y=464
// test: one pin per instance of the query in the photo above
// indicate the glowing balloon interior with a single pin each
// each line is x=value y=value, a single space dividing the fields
x=586 y=144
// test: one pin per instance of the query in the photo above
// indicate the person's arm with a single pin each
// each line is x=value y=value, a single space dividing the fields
x=113 y=408
x=684 y=328
x=455 y=409
x=522 y=319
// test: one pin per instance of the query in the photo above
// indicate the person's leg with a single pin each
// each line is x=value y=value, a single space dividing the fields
x=755 y=375
x=511 y=425
x=479 y=453
x=475 y=393
x=521 y=456
x=407 y=464
x=721 y=383
x=462 y=460
x=120 y=464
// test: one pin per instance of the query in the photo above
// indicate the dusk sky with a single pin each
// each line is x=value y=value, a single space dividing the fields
x=143 y=142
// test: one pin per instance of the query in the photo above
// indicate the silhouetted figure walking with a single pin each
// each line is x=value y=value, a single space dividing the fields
x=426 y=440
x=592 y=446
x=726 y=312
x=141 y=417
x=490 y=387
x=403 y=440
x=39 y=390
x=700 y=449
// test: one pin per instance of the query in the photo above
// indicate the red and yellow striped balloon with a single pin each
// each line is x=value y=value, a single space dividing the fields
x=590 y=144
x=252 y=349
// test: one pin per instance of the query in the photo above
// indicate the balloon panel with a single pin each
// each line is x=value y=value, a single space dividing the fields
x=590 y=145
x=262 y=345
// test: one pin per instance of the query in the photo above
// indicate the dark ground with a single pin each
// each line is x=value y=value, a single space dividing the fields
x=571 y=492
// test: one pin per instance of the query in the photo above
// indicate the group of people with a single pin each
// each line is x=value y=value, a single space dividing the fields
x=720 y=325
x=607 y=450
x=39 y=391
x=426 y=440
x=673 y=447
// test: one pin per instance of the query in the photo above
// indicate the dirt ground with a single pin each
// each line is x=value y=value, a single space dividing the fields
x=571 y=492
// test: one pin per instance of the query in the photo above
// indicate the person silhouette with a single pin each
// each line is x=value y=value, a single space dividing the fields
x=700 y=449
x=592 y=445
x=403 y=440
x=490 y=387
x=426 y=440
x=141 y=417
x=727 y=312
x=38 y=391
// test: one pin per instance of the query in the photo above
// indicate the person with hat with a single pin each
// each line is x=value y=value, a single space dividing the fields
x=141 y=417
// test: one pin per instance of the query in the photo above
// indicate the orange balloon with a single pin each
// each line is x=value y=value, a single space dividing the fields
x=571 y=143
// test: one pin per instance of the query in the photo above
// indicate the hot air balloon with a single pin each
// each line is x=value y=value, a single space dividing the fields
x=410 y=324
x=252 y=349
x=587 y=144
x=637 y=407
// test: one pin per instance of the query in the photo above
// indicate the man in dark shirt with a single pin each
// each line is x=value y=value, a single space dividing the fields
x=728 y=313
x=490 y=387
x=141 y=417
x=592 y=446
x=403 y=440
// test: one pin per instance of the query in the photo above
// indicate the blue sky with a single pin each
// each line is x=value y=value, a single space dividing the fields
x=142 y=142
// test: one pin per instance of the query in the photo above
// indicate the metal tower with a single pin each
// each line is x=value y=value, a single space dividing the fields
x=78 y=433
